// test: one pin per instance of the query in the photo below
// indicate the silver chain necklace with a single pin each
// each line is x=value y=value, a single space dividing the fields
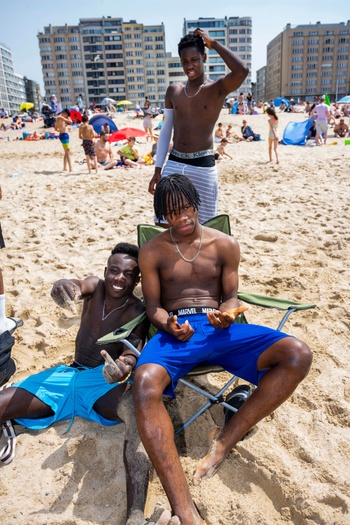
x=114 y=309
x=178 y=249
x=197 y=92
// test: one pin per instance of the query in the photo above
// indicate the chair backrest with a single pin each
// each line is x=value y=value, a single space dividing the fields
x=145 y=232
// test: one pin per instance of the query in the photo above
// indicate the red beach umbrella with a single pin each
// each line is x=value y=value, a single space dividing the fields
x=125 y=133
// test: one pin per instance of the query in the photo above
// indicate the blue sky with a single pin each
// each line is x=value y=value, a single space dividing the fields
x=21 y=20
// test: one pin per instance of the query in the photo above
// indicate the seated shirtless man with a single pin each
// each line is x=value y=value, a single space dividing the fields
x=104 y=152
x=43 y=398
x=341 y=129
x=190 y=283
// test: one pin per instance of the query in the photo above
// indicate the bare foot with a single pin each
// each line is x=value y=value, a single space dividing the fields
x=164 y=518
x=209 y=465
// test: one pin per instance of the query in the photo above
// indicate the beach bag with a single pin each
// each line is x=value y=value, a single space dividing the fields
x=256 y=136
x=7 y=364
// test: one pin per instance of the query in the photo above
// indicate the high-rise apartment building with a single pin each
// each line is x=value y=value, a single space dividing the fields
x=309 y=60
x=12 y=88
x=104 y=57
x=260 y=84
x=234 y=33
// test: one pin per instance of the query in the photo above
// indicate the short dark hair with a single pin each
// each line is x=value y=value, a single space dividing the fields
x=66 y=111
x=132 y=138
x=127 y=249
x=172 y=190
x=191 y=40
x=102 y=133
x=85 y=118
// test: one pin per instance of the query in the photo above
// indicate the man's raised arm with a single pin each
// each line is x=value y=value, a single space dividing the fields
x=239 y=71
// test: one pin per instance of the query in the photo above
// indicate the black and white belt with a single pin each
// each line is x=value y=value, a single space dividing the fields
x=192 y=311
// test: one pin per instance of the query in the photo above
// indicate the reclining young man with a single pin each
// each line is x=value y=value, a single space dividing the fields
x=43 y=398
x=188 y=270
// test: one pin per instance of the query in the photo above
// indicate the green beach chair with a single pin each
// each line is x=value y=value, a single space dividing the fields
x=234 y=399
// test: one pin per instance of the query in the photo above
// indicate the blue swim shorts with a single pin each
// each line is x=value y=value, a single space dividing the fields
x=69 y=392
x=236 y=349
x=64 y=138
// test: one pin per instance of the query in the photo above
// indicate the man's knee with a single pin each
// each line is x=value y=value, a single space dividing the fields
x=300 y=357
x=147 y=384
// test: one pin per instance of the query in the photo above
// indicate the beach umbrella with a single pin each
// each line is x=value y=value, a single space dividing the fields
x=26 y=105
x=124 y=103
x=74 y=114
x=344 y=100
x=125 y=133
x=107 y=101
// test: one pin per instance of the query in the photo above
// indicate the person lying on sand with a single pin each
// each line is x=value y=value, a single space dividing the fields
x=41 y=399
x=190 y=283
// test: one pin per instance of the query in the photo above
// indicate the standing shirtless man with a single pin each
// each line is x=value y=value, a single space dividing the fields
x=192 y=109
x=190 y=284
x=63 y=120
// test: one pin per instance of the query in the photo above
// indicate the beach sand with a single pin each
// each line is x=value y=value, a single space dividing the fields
x=292 y=223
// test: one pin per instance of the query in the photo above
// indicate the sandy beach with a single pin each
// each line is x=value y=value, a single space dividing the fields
x=292 y=223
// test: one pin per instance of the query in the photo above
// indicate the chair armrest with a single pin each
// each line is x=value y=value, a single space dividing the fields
x=273 y=302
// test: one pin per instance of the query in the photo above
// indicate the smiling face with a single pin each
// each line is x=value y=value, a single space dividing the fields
x=192 y=62
x=121 y=275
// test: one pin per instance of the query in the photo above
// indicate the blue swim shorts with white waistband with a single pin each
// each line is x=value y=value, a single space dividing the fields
x=236 y=349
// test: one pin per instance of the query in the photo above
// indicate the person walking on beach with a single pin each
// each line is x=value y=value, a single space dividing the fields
x=63 y=120
x=323 y=115
x=192 y=108
x=273 y=136
x=190 y=283
x=87 y=134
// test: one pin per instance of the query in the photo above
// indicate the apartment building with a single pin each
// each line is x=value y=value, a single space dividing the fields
x=260 y=84
x=174 y=70
x=12 y=87
x=33 y=92
x=234 y=33
x=104 y=57
x=309 y=60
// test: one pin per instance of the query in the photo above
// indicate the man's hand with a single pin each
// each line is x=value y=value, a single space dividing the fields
x=115 y=371
x=225 y=319
x=154 y=181
x=182 y=332
x=208 y=41
x=65 y=293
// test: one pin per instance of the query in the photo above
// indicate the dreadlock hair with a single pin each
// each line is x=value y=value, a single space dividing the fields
x=170 y=193
x=191 y=40
x=127 y=249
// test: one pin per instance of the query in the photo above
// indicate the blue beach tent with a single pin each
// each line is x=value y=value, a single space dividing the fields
x=295 y=133
x=97 y=121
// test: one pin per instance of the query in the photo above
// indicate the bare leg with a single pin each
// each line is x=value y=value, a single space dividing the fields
x=157 y=434
x=94 y=159
x=270 y=150
x=68 y=157
x=88 y=163
x=115 y=405
x=275 y=144
x=16 y=403
x=288 y=361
